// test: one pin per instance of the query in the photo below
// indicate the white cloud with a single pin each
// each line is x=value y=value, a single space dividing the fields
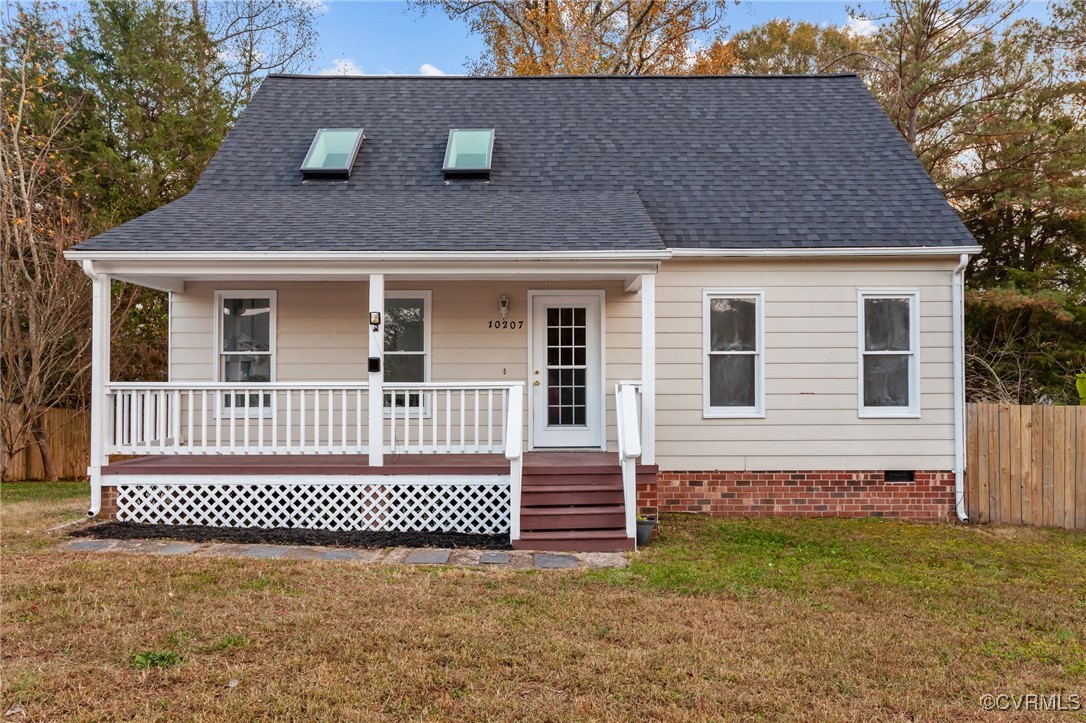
x=342 y=66
x=863 y=27
x=428 y=69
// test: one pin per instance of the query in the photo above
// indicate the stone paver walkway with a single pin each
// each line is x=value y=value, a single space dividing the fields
x=424 y=557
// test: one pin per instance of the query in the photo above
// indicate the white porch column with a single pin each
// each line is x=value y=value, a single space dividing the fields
x=648 y=368
x=100 y=333
x=377 y=379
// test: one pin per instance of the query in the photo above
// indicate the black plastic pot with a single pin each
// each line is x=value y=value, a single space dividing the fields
x=644 y=531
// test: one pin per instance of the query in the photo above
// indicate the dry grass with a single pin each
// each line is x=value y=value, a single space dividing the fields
x=724 y=619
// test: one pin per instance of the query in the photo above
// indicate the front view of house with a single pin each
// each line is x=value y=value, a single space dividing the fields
x=536 y=306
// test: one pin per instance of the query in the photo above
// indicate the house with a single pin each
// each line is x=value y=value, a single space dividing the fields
x=534 y=305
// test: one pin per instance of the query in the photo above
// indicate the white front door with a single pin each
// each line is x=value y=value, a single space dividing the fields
x=566 y=375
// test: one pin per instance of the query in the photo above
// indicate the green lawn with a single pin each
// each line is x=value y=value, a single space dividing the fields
x=762 y=620
x=43 y=492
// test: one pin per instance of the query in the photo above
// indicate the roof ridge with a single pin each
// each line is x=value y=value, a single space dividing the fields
x=397 y=76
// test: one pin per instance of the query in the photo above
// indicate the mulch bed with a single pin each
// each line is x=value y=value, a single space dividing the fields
x=292 y=536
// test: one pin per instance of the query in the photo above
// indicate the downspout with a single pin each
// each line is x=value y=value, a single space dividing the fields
x=958 y=328
x=94 y=471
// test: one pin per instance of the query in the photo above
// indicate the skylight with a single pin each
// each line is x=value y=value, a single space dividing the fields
x=469 y=151
x=333 y=152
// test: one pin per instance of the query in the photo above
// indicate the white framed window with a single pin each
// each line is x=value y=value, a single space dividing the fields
x=889 y=352
x=407 y=342
x=245 y=344
x=733 y=354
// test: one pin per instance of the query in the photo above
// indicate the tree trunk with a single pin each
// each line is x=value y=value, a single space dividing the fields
x=41 y=439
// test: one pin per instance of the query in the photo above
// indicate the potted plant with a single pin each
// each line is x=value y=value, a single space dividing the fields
x=645 y=526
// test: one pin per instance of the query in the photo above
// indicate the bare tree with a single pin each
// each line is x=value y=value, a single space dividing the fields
x=618 y=37
x=255 y=37
x=937 y=66
x=45 y=316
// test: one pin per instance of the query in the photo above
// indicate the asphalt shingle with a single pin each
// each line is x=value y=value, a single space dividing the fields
x=580 y=163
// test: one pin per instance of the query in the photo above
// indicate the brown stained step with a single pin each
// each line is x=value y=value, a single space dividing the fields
x=568 y=480
x=566 y=541
x=609 y=469
x=573 y=518
x=551 y=497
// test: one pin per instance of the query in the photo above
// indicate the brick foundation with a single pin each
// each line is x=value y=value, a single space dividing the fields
x=799 y=494
x=109 y=503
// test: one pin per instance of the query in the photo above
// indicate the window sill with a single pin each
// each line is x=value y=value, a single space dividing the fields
x=888 y=414
x=239 y=416
x=732 y=415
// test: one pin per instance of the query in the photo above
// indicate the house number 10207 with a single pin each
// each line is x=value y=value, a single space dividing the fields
x=503 y=324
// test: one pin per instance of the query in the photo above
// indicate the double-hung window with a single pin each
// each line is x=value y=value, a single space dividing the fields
x=889 y=353
x=407 y=343
x=733 y=354
x=246 y=343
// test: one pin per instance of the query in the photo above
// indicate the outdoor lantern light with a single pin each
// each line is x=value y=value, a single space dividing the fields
x=375 y=320
x=503 y=303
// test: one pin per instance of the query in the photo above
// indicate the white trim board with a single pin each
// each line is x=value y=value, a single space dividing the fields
x=867 y=251
x=219 y=480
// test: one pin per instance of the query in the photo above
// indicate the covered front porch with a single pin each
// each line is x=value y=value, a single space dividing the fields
x=474 y=452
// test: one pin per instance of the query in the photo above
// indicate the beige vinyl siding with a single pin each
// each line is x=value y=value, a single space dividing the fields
x=811 y=392
x=321 y=332
x=811 y=389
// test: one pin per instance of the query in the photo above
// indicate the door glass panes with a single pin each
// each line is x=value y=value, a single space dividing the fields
x=567 y=366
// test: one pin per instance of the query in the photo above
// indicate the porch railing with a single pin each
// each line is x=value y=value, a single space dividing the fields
x=453 y=418
x=629 y=447
x=178 y=418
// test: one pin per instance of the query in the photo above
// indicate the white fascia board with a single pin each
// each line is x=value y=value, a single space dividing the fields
x=164 y=274
x=415 y=257
x=858 y=252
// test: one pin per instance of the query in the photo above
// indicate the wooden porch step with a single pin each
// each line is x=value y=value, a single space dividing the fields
x=567 y=495
x=570 y=480
x=593 y=517
x=575 y=541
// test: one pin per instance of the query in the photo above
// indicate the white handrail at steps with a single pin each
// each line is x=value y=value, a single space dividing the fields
x=629 y=449
x=514 y=452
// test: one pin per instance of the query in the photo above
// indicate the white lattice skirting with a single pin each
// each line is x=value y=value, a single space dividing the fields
x=438 y=506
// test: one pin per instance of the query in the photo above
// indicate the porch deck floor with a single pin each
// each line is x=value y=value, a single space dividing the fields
x=578 y=461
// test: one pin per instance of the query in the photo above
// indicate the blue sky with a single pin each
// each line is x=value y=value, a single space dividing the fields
x=380 y=37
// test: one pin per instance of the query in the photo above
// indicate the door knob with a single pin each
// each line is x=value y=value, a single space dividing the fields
x=536 y=383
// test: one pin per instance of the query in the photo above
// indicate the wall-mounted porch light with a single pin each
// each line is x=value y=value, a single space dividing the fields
x=375 y=320
x=503 y=304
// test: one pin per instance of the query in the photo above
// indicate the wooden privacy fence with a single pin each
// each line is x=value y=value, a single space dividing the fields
x=69 y=442
x=1026 y=465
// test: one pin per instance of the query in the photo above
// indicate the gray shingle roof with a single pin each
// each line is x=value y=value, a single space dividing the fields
x=579 y=163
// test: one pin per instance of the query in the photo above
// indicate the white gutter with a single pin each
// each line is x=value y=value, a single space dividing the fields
x=903 y=252
x=370 y=256
x=958 y=329
x=450 y=256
